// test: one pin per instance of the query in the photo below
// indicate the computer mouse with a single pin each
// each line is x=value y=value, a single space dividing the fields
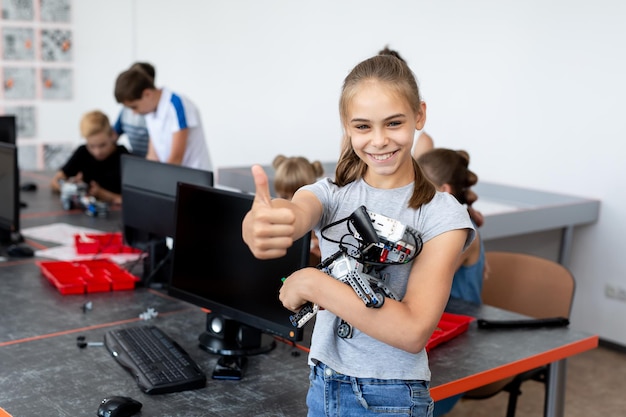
x=28 y=186
x=118 y=406
x=20 y=250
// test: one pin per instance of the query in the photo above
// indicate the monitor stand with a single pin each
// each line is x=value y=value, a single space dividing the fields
x=157 y=265
x=230 y=367
x=231 y=338
x=234 y=341
x=10 y=238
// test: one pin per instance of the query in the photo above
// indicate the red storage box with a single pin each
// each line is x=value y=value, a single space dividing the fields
x=102 y=243
x=82 y=277
x=450 y=325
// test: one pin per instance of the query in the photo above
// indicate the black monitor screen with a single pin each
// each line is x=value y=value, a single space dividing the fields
x=149 y=197
x=214 y=268
x=8 y=129
x=9 y=192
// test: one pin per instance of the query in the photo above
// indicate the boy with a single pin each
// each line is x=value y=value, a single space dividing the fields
x=173 y=122
x=133 y=124
x=97 y=163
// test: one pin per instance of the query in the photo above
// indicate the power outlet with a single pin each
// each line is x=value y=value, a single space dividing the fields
x=615 y=291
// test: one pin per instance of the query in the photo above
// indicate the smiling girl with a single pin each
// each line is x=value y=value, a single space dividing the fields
x=382 y=368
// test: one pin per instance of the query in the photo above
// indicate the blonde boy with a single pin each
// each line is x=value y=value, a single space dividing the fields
x=97 y=162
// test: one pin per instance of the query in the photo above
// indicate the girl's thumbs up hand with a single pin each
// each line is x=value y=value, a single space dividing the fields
x=266 y=229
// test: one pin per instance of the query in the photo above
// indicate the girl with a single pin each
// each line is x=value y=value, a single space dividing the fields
x=382 y=369
x=448 y=170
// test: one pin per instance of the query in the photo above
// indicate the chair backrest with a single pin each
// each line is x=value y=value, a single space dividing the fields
x=528 y=285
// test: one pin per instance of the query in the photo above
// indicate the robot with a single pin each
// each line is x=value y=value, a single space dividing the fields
x=380 y=241
x=74 y=195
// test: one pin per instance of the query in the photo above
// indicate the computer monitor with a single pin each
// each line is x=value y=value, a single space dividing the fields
x=214 y=269
x=9 y=195
x=8 y=129
x=148 y=209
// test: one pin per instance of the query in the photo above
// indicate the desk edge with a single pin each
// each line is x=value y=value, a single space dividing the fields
x=486 y=377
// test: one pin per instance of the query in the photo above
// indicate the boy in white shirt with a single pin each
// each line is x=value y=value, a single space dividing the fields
x=173 y=121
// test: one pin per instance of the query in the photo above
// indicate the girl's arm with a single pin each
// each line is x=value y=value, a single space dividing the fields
x=406 y=324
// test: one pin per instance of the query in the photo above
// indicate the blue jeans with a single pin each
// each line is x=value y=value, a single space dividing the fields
x=335 y=395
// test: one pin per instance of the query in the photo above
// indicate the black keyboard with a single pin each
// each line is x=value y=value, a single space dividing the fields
x=158 y=363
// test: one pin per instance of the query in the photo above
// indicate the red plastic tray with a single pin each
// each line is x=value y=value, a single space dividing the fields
x=450 y=325
x=102 y=243
x=82 y=277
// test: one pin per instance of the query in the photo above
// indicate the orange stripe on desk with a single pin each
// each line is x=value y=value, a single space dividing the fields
x=514 y=368
x=37 y=176
x=293 y=344
x=4 y=413
x=82 y=329
x=20 y=262
x=35 y=244
x=59 y=213
x=51 y=213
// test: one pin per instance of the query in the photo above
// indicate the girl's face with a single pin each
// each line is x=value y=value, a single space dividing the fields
x=381 y=126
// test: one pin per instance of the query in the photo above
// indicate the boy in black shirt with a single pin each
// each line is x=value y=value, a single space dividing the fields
x=97 y=163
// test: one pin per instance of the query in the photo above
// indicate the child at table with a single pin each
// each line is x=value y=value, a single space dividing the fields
x=173 y=121
x=97 y=163
x=133 y=125
x=383 y=366
x=448 y=170
x=291 y=173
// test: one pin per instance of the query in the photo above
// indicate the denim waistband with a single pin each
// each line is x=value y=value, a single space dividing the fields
x=325 y=371
x=321 y=369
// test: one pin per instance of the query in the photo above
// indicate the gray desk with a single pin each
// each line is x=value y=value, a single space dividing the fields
x=479 y=357
x=44 y=373
x=509 y=211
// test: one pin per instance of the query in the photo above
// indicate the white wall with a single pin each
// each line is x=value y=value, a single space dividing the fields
x=534 y=90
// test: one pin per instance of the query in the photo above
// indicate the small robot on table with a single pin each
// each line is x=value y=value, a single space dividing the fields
x=74 y=196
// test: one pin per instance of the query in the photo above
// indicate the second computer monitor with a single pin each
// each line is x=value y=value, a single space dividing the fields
x=8 y=129
x=149 y=197
x=148 y=209
x=9 y=194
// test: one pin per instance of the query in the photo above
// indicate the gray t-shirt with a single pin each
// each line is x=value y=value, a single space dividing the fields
x=363 y=356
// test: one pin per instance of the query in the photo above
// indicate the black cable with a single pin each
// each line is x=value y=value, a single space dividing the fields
x=136 y=262
x=359 y=249
x=156 y=268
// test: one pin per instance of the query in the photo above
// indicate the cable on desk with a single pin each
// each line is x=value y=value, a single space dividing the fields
x=136 y=262
x=157 y=268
